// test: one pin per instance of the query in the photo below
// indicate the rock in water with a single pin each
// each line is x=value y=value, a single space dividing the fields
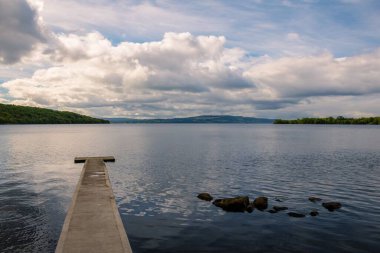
x=314 y=213
x=332 y=206
x=280 y=208
x=205 y=196
x=314 y=199
x=276 y=209
x=238 y=204
x=296 y=215
x=250 y=208
x=261 y=203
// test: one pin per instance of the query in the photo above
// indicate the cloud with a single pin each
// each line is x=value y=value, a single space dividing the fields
x=257 y=26
x=127 y=19
x=348 y=106
x=181 y=73
x=293 y=36
x=90 y=72
x=20 y=30
x=187 y=74
x=321 y=75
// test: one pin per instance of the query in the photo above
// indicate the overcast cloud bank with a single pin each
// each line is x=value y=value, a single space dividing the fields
x=180 y=75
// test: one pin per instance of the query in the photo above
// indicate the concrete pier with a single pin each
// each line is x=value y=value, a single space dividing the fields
x=93 y=222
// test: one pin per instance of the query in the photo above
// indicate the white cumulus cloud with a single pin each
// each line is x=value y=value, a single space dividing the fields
x=90 y=72
x=181 y=74
x=321 y=75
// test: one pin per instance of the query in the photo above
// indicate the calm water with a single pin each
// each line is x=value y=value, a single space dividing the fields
x=161 y=168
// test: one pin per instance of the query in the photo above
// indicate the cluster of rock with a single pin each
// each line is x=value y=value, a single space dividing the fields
x=243 y=204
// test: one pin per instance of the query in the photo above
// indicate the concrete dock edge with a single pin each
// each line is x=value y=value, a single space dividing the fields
x=93 y=222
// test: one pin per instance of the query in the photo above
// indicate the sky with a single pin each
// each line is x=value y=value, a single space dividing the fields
x=165 y=58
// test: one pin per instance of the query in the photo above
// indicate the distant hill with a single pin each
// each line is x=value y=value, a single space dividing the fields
x=15 y=114
x=223 y=119
x=330 y=120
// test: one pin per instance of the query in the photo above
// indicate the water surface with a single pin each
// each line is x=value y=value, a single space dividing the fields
x=161 y=168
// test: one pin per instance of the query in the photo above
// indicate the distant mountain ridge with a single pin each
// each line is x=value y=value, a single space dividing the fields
x=220 y=119
x=16 y=114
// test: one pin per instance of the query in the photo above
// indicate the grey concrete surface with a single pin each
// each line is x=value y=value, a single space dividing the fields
x=93 y=223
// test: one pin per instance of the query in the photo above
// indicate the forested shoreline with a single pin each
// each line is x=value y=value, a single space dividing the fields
x=331 y=120
x=15 y=114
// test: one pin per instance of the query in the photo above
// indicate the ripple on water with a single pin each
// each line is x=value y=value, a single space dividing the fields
x=160 y=169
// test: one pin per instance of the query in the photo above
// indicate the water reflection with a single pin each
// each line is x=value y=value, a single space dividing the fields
x=161 y=168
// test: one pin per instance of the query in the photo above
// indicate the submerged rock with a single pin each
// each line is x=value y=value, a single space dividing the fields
x=261 y=203
x=237 y=204
x=296 y=215
x=250 y=208
x=279 y=208
x=276 y=209
x=205 y=196
x=332 y=206
x=314 y=213
x=314 y=199
x=278 y=199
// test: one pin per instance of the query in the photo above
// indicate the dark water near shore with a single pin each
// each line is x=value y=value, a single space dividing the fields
x=161 y=168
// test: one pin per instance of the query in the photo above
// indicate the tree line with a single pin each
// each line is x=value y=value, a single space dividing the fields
x=15 y=114
x=331 y=120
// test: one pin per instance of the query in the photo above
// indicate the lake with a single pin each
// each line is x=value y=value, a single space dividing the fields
x=160 y=169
